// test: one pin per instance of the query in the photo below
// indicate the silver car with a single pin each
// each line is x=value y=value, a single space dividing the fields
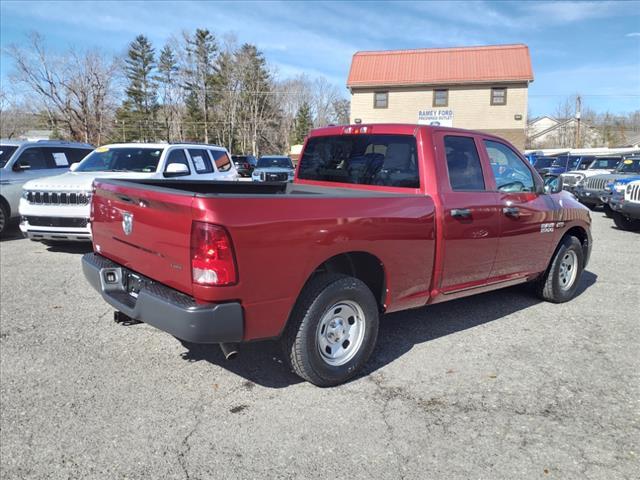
x=21 y=161
x=273 y=168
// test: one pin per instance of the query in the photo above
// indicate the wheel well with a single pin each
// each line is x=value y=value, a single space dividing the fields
x=581 y=234
x=361 y=265
x=6 y=206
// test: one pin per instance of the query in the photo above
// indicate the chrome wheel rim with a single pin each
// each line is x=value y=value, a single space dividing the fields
x=568 y=269
x=341 y=332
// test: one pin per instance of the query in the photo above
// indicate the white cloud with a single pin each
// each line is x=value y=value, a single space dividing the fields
x=633 y=34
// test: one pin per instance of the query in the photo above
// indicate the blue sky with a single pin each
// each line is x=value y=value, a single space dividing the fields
x=592 y=48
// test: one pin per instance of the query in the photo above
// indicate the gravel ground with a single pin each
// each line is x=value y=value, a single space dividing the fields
x=494 y=386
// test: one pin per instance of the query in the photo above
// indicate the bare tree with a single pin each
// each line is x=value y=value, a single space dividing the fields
x=75 y=90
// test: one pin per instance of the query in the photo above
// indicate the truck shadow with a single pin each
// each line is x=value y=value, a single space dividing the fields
x=262 y=363
x=69 y=247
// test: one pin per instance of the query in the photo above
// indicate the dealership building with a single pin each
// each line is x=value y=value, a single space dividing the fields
x=480 y=88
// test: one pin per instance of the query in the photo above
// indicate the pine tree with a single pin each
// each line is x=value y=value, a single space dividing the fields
x=202 y=51
x=140 y=105
x=258 y=115
x=168 y=83
x=302 y=124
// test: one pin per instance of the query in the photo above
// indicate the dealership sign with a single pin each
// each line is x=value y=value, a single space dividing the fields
x=436 y=117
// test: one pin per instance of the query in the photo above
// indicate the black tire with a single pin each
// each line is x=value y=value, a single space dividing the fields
x=624 y=223
x=4 y=219
x=300 y=338
x=591 y=206
x=607 y=210
x=550 y=286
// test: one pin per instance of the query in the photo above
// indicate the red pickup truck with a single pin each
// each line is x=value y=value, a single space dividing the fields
x=380 y=218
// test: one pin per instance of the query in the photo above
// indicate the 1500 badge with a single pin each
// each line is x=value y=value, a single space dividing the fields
x=547 y=227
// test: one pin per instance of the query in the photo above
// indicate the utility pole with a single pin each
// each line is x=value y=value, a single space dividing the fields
x=578 y=108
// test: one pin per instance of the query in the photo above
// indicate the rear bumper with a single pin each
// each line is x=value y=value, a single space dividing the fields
x=163 y=307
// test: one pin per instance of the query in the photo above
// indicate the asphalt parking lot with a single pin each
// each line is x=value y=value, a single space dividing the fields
x=494 y=386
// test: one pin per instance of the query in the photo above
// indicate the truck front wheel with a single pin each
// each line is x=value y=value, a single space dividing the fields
x=332 y=330
x=560 y=282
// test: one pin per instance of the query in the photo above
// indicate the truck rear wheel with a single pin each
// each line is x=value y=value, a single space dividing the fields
x=560 y=282
x=332 y=330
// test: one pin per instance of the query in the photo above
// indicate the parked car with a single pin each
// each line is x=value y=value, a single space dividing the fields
x=626 y=213
x=599 y=166
x=614 y=193
x=244 y=164
x=23 y=161
x=592 y=191
x=273 y=168
x=315 y=262
x=531 y=156
x=57 y=208
x=565 y=163
x=543 y=163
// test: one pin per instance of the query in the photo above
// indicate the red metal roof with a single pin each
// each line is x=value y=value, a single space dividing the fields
x=496 y=63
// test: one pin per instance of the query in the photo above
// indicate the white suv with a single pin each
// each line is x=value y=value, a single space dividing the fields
x=57 y=208
x=22 y=161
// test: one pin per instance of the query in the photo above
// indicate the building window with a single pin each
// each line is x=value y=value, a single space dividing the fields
x=498 y=96
x=381 y=100
x=440 y=98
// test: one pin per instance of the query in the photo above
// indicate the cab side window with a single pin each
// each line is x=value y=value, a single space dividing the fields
x=36 y=158
x=201 y=160
x=511 y=174
x=177 y=156
x=463 y=164
x=221 y=158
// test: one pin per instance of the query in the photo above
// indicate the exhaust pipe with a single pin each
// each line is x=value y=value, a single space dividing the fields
x=229 y=350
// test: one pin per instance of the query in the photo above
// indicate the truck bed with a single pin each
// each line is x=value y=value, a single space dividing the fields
x=246 y=189
x=280 y=234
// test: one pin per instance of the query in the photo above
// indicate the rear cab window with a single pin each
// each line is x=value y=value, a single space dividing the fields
x=362 y=159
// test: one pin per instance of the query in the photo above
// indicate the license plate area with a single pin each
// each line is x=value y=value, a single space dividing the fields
x=134 y=283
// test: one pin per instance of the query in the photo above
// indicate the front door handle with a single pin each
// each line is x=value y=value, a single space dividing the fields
x=461 y=212
x=511 y=211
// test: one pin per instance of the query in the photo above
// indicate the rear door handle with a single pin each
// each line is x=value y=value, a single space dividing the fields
x=511 y=211
x=461 y=212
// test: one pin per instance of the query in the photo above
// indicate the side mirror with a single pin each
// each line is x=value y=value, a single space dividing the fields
x=74 y=166
x=176 y=170
x=19 y=166
x=553 y=185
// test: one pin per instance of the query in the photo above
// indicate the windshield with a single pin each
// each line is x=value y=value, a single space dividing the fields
x=277 y=162
x=605 y=163
x=384 y=160
x=5 y=153
x=121 y=159
x=543 y=162
x=630 y=165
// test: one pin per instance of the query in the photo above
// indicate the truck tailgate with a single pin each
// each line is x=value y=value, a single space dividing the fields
x=145 y=230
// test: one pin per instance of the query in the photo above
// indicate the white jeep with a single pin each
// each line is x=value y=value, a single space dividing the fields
x=57 y=208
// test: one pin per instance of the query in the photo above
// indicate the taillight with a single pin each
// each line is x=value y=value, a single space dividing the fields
x=212 y=257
